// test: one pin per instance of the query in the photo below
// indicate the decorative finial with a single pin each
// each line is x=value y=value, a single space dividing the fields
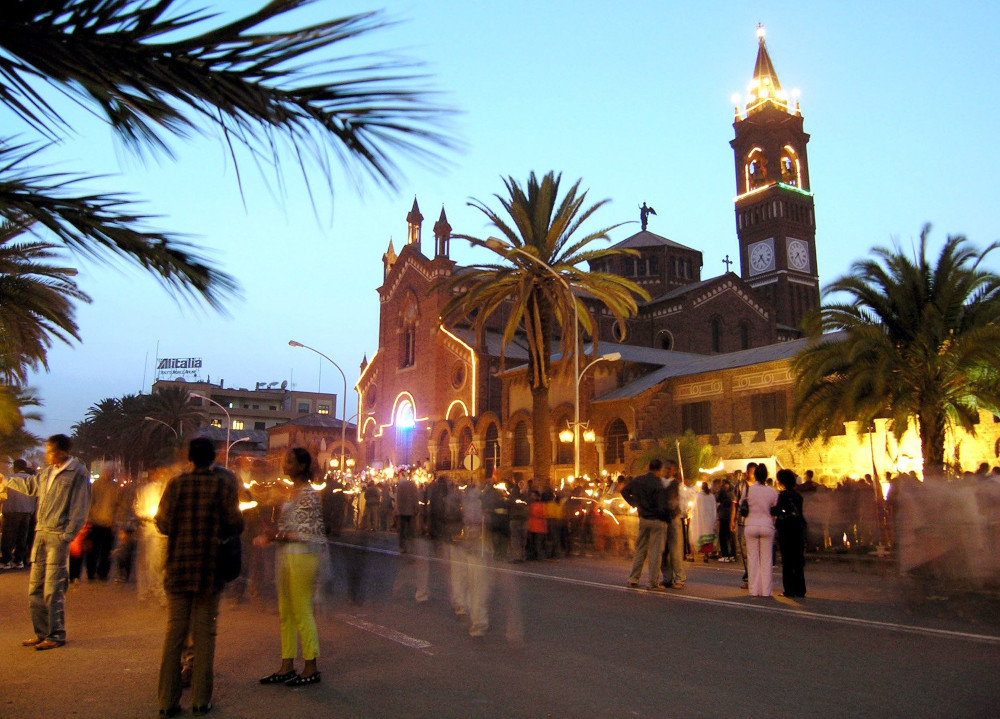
x=760 y=31
x=644 y=213
x=727 y=262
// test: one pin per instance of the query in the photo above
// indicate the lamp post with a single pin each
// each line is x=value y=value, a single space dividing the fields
x=160 y=421
x=609 y=357
x=343 y=413
x=496 y=244
x=233 y=444
x=229 y=421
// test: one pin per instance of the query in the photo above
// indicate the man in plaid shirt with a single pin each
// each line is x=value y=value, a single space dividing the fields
x=197 y=510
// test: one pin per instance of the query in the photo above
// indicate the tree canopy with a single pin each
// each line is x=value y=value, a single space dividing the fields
x=912 y=338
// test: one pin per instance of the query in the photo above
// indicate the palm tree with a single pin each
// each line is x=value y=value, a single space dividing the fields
x=155 y=69
x=36 y=303
x=916 y=340
x=171 y=407
x=14 y=411
x=538 y=282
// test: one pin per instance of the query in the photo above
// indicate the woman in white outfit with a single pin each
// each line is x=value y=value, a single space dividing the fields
x=760 y=534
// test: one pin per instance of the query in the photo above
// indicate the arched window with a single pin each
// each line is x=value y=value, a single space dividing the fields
x=755 y=169
x=615 y=437
x=408 y=332
x=666 y=340
x=790 y=167
x=716 y=334
x=491 y=451
x=404 y=421
x=522 y=448
x=744 y=336
x=444 y=452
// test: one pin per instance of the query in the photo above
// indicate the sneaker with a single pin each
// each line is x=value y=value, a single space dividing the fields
x=6 y=565
x=677 y=585
x=632 y=585
x=656 y=588
x=19 y=565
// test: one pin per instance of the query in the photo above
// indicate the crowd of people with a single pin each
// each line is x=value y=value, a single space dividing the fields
x=167 y=535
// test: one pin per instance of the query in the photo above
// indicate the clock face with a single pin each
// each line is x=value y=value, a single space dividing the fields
x=762 y=256
x=798 y=255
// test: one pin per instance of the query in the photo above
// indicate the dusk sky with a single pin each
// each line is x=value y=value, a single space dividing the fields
x=902 y=102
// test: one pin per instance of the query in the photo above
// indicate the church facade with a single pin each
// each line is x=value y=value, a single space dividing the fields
x=709 y=355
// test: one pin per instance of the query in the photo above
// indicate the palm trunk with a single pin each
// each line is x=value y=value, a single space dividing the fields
x=932 y=432
x=541 y=436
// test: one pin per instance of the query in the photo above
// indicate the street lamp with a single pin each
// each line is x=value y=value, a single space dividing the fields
x=609 y=357
x=160 y=421
x=233 y=444
x=229 y=421
x=343 y=413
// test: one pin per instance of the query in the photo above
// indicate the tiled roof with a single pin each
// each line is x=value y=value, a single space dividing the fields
x=316 y=420
x=645 y=238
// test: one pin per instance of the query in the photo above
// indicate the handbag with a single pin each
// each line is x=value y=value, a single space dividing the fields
x=745 y=505
x=229 y=559
x=229 y=552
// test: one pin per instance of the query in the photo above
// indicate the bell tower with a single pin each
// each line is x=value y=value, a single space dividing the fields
x=775 y=218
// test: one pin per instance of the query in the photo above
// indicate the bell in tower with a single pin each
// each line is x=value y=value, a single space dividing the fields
x=414 y=220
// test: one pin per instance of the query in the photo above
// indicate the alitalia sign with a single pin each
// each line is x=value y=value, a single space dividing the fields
x=178 y=367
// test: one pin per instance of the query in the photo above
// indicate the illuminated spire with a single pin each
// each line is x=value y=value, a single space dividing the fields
x=765 y=88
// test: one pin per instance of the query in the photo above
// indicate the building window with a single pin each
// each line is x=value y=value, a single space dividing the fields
x=768 y=411
x=323 y=409
x=444 y=451
x=491 y=450
x=408 y=333
x=716 y=334
x=666 y=340
x=369 y=452
x=615 y=437
x=303 y=406
x=522 y=448
x=259 y=425
x=217 y=423
x=697 y=417
x=744 y=336
x=237 y=424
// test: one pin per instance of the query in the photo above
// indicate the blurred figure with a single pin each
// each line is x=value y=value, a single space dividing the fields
x=18 y=509
x=672 y=510
x=151 y=549
x=301 y=540
x=101 y=535
x=517 y=511
x=197 y=512
x=703 y=522
x=63 y=491
x=790 y=525
x=726 y=511
x=407 y=503
x=760 y=534
x=470 y=577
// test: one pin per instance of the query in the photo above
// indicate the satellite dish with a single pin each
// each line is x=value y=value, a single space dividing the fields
x=284 y=385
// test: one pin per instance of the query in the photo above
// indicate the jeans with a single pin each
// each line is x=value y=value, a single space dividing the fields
x=649 y=549
x=47 y=586
x=200 y=612
x=673 y=557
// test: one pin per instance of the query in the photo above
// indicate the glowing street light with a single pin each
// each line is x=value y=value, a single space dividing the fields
x=229 y=421
x=343 y=413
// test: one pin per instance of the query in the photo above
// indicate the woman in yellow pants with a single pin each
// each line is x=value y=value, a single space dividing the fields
x=301 y=540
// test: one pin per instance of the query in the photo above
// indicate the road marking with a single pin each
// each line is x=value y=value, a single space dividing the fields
x=730 y=603
x=387 y=633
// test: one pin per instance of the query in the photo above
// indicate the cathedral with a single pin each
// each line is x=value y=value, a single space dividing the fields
x=706 y=355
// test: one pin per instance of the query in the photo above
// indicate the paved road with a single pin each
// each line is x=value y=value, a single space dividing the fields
x=566 y=640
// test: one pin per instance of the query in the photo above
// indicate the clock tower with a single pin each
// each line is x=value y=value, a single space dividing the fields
x=775 y=220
